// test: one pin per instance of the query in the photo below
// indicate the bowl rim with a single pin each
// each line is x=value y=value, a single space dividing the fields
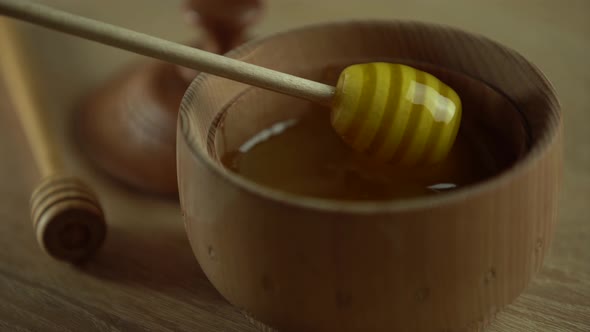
x=539 y=147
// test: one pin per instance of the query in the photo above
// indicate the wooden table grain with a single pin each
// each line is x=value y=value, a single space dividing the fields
x=146 y=278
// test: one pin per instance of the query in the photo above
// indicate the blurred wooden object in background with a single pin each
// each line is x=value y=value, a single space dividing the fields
x=128 y=126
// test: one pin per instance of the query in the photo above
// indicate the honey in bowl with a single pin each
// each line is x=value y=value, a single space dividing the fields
x=296 y=150
x=305 y=156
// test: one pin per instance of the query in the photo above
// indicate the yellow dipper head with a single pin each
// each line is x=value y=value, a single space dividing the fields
x=396 y=113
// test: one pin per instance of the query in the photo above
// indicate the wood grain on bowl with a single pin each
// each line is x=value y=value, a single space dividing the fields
x=448 y=262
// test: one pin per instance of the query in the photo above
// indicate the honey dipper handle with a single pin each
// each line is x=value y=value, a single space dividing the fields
x=67 y=217
x=168 y=51
x=17 y=80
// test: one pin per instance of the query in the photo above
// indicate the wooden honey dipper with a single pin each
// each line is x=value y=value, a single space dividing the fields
x=391 y=111
x=67 y=217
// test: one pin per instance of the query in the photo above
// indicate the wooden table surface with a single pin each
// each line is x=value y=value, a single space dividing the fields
x=146 y=278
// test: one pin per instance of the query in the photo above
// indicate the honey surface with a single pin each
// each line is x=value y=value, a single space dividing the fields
x=305 y=156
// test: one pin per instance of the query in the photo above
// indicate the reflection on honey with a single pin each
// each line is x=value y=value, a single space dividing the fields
x=305 y=156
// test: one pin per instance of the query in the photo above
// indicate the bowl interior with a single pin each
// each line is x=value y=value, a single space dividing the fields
x=491 y=122
x=509 y=108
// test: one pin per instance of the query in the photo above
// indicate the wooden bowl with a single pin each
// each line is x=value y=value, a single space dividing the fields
x=439 y=263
